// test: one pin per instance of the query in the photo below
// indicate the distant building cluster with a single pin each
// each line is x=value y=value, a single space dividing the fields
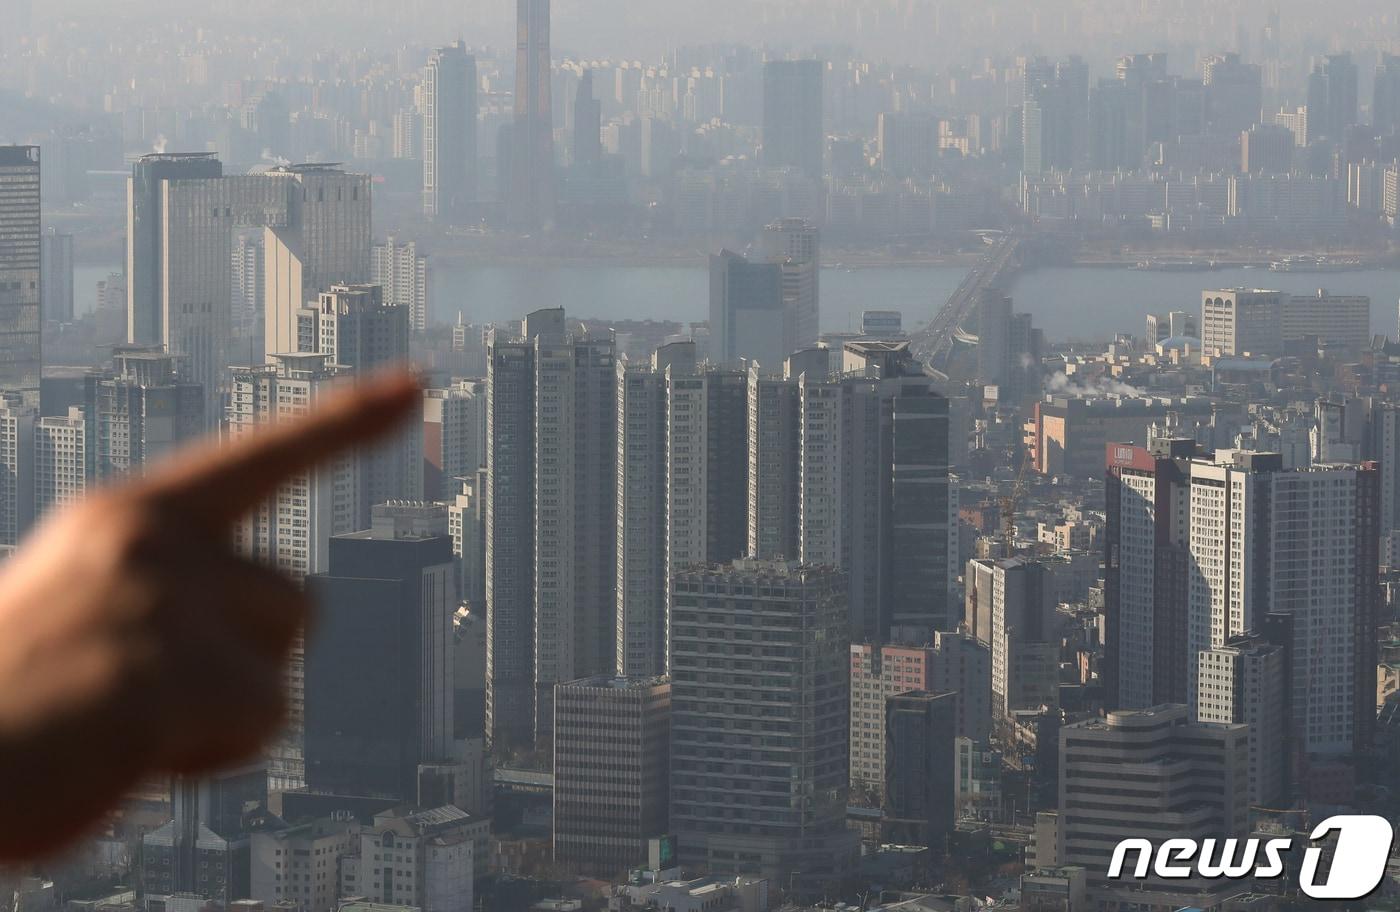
x=744 y=613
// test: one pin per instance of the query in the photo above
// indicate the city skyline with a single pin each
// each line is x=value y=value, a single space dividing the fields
x=880 y=454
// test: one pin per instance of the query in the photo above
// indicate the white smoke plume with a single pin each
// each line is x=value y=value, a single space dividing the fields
x=1102 y=386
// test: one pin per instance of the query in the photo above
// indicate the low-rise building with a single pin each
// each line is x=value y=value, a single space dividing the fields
x=422 y=858
x=300 y=865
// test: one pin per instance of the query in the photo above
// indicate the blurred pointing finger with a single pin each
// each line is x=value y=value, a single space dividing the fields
x=215 y=485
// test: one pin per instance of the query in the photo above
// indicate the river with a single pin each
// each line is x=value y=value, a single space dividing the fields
x=1070 y=302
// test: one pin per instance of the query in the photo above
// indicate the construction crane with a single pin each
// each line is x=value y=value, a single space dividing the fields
x=1009 y=503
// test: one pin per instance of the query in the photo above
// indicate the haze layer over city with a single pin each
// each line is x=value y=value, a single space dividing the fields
x=872 y=456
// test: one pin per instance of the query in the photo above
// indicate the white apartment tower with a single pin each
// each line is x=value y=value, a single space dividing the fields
x=60 y=461
x=1245 y=680
x=847 y=471
x=248 y=282
x=640 y=646
x=551 y=519
x=403 y=274
x=1303 y=543
x=356 y=330
x=449 y=104
x=291 y=531
x=17 y=420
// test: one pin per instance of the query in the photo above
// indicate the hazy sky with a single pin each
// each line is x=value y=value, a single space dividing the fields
x=900 y=30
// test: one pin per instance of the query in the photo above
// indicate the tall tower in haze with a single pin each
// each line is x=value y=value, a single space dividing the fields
x=449 y=134
x=531 y=199
x=19 y=270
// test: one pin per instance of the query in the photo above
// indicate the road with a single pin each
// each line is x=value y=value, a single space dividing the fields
x=933 y=343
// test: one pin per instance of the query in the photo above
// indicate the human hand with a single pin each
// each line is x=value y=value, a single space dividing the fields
x=133 y=640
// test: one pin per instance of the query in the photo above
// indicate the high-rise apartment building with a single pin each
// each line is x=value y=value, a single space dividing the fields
x=357 y=331
x=510 y=540
x=1201 y=550
x=449 y=134
x=1146 y=657
x=611 y=750
x=137 y=410
x=17 y=419
x=1363 y=429
x=706 y=473
x=1169 y=778
x=793 y=133
x=795 y=244
x=1303 y=543
x=56 y=276
x=379 y=669
x=682 y=488
x=60 y=461
x=248 y=286
x=454 y=437
x=466 y=522
x=551 y=519
x=20 y=271
x=1246 y=680
x=758 y=720
x=1043 y=119
x=774 y=428
x=530 y=199
x=356 y=328
x=851 y=471
x=408 y=134
x=642 y=582
x=291 y=530
x=403 y=274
